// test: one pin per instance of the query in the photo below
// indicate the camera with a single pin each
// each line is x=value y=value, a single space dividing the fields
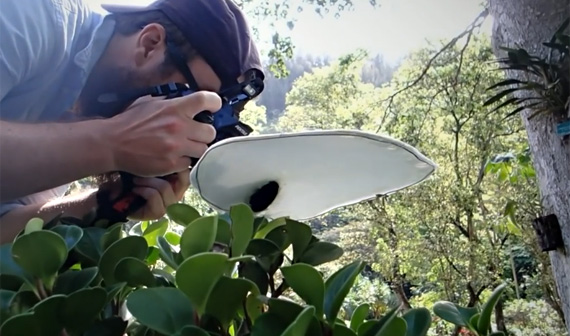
x=225 y=121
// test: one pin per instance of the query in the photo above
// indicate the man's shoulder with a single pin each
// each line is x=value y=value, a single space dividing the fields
x=47 y=17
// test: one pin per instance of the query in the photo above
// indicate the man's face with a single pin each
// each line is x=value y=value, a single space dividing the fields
x=137 y=61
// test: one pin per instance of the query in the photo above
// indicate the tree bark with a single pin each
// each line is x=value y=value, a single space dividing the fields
x=527 y=24
x=500 y=316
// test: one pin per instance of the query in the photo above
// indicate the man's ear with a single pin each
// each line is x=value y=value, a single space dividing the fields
x=151 y=45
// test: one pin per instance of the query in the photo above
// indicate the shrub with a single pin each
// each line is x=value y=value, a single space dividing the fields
x=218 y=277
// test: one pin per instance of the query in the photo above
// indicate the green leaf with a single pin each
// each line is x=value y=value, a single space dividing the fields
x=164 y=309
x=454 y=313
x=497 y=333
x=71 y=234
x=396 y=327
x=182 y=214
x=307 y=283
x=82 y=308
x=23 y=301
x=263 y=230
x=418 y=321
x=154 y=230
x=280 y=237
x=265 y=251
x=41 y=254
x=285 y=309
x=484 y=323
x=134 y=272
x=227 y=298
x=199 y=236
x=498 y=96
x=505 y=83
x=47 y=312
x=359 y=315
x=8 y=265
x=72 y=281
x=173 y=238
x=6 y=297
x=255 y=273
x=511 y=101
x=89 y=246
x=34 y=224
x=343 y=330
x=9 y=281
x=301 y=323
x=337 y=286
x=161 y=274
x=242 y=228
x=321 y=252
x=268 y=324
x=198 y=275
x=259 y=222
x=114 y=289
x=224 y=233
x=111 y=235
x=385 y=326
x=131 y=246
x=254 y=306
x=22 y=324
x=113 y=326
x=192 y=331
x=473 y=321
x=166 y=253
x=300 y=236
x=152 y=256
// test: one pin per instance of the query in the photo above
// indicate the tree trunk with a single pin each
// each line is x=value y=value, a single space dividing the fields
x=500 y=316
x=527 y=24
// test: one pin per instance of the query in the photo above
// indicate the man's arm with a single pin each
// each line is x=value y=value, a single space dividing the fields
x=13 y=222
x=37 y=157
x=158 y=194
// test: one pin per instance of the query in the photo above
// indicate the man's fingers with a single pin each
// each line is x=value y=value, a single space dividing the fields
x=154 y=206
x=201 y=132
x=165 y=190
x=182 y=183
x=181 y=164
x=193 y=149
x=197 y=102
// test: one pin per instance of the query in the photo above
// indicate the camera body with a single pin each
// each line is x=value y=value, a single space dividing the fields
x=226 y=120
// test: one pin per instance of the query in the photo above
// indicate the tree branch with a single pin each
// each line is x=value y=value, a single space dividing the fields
x=460 y=227
x=468 y=31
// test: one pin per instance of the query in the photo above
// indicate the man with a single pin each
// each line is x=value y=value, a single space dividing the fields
x=58 y=58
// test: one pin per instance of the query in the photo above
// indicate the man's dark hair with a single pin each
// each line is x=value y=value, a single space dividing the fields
x=130 y=23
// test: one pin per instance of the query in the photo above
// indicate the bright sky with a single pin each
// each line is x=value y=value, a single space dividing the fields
x=393 y=29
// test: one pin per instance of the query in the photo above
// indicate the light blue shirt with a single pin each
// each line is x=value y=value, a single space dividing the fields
x=47 y=50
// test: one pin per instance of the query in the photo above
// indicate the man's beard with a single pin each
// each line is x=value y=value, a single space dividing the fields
x=108 y=92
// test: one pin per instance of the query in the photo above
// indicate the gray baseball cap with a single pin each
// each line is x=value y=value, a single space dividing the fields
x=217 y=29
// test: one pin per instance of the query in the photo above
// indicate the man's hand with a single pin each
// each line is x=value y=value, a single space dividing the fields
x=157 y=137
x=159 y=193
